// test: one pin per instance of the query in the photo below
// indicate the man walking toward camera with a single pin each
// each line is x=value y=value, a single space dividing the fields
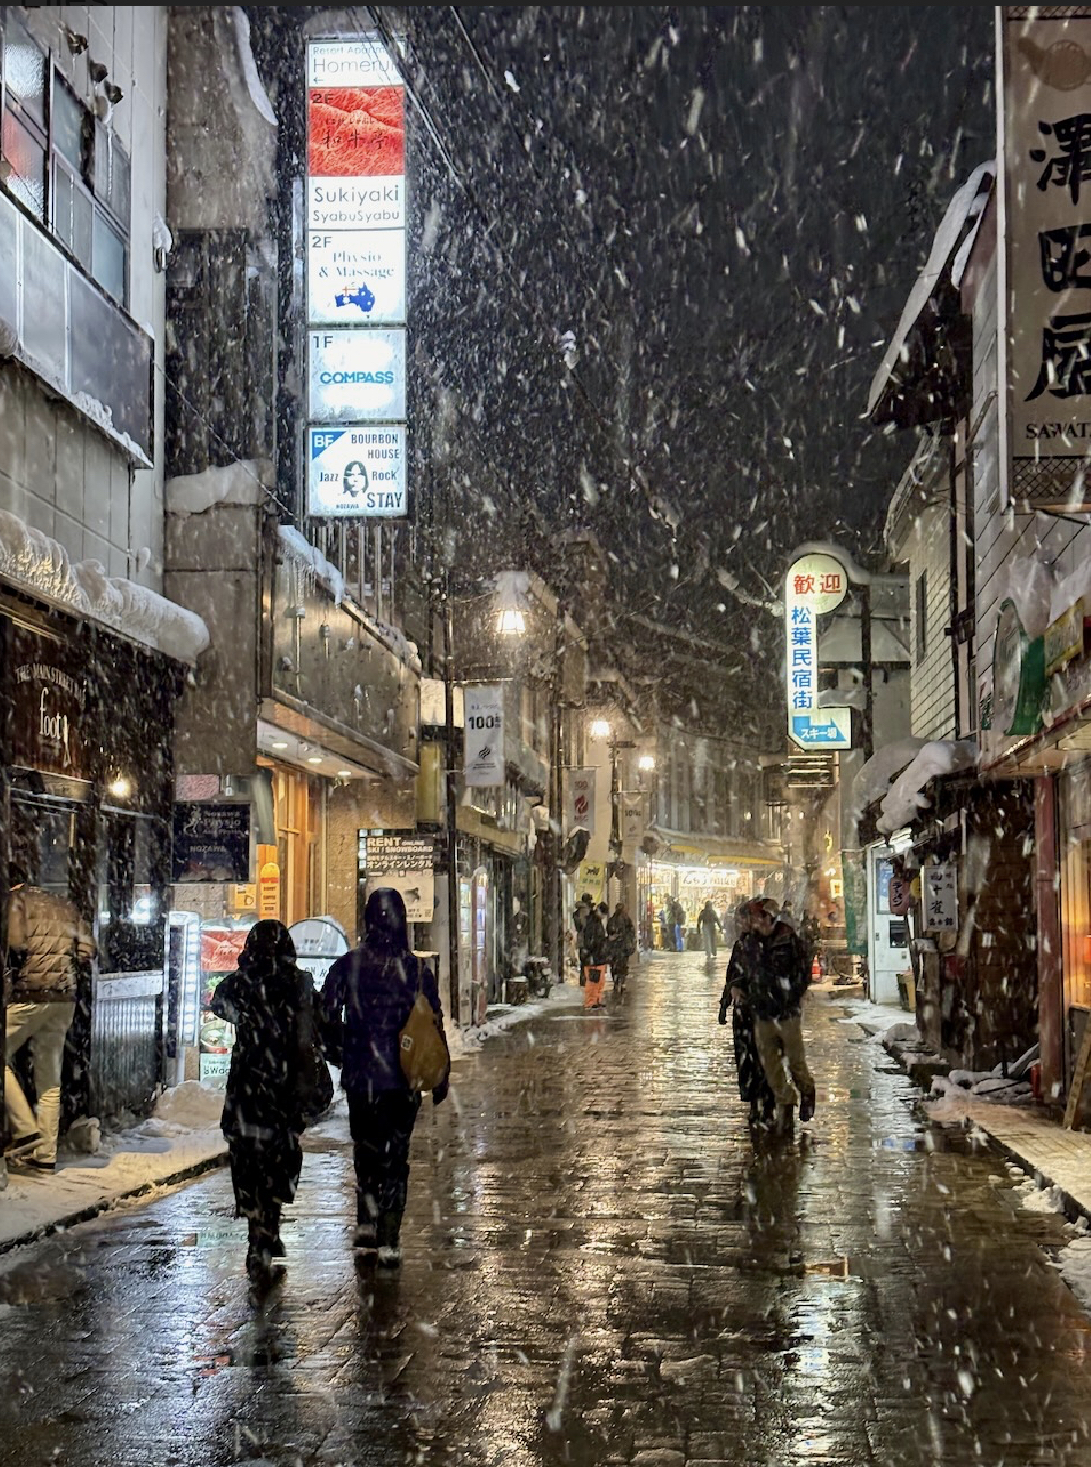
x=775 y=986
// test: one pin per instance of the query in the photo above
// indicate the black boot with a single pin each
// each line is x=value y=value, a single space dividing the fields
x=366 y=1237
x=388 y=1234
x=259 y=1255
x=272 y=1228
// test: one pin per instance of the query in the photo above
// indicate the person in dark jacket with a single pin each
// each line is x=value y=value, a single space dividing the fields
x=775 y=983
x=620 y=945
x=366 y=1000
x=271 y=1003
x=745 y=957
x=594 y=955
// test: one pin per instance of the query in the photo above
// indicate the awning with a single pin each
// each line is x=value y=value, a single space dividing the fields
x=677 y=845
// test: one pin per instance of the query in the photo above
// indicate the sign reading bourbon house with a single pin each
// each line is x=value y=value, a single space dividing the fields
x=49 y=692
x=1047 y=184
x=356 y=281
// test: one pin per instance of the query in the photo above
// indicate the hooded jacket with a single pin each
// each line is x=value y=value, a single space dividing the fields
x=367 y=997
x=50 y=935
x=771 y=971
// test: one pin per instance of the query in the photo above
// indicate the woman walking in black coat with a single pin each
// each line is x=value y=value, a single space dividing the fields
x=753 y=1085
x=271 y=1003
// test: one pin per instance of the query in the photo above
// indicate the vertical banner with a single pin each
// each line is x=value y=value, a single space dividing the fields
x=1046 y=59
x=483 y=736
x=581 y=799
x=815 y=584
x=356 y=281
x=854 y=869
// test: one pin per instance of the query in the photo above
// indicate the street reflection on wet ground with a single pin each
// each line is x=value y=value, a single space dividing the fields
x=602 y=1265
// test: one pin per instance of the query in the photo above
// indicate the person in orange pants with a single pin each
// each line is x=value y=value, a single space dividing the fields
x=593 y=950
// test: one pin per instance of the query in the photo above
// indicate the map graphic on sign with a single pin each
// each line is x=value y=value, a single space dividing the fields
x=815 y=584
x=356 y=277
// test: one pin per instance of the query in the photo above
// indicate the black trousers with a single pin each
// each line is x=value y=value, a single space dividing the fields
x=381 y=1130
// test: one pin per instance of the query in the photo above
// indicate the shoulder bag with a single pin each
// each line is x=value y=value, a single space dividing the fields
x=314 y=1083
x=422 y=1049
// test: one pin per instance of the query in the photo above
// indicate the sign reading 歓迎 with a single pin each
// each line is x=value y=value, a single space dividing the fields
x=815 y=584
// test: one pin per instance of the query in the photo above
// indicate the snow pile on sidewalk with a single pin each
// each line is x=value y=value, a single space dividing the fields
x=182 y=1134
x=502 y=1017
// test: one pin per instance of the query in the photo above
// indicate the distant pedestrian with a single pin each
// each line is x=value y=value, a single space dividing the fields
x=594 y=957
x=754 y=1088
x=710 y=925
x=621 y=945
x=47 y=940
x=774 y=986
x=366 y=1000
x=271 y=1002
x=666 y=927
x=678 y=920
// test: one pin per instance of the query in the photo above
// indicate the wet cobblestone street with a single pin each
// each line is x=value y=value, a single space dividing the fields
x=601 y=1266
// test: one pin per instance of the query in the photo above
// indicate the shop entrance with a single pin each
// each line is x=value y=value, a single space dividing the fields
x=888 y=934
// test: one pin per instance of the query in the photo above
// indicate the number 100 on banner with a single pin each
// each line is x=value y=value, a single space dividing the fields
x=483 y=736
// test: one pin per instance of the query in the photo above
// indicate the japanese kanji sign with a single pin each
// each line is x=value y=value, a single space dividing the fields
x=1047 y=162
x=814 y=584
x=939 y=887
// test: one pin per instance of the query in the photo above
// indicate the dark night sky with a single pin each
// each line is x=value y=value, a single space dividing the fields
x=727 y=208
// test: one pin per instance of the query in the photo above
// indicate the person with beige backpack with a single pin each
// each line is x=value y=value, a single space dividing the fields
x=382 y=1023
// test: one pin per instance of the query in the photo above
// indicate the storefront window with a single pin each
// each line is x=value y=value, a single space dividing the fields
x=1076 y=887
x=131 y=867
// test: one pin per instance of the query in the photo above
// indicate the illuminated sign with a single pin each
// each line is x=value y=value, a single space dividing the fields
x=356 y=277
x=815 y=584
x=356 y=280
x=357 y=376
x=356 y=472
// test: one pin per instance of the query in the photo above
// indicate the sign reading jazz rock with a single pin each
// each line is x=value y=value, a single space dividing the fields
x=356 y=283
x=815 y=584
x=483 y=736
x=357 y=471
x=1046 y=57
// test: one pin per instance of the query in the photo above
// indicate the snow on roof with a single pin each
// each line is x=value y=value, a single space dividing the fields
x=40 y=564
x=906 y=799
x=328 y=575
x=241 y=482
x=258 y=95
x=962 y=208
x=874 y=777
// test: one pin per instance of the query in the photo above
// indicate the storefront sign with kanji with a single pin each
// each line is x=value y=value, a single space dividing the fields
x=939 y=884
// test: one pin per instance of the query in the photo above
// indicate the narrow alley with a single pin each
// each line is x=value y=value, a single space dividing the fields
x=601 y=1266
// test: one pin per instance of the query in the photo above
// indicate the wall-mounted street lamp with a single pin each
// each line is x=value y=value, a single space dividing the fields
x=646 y=763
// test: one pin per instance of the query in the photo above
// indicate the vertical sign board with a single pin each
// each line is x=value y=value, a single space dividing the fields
x=1046 y=60
x=356 y=281
x=815 y=584
x=581 y=799
x=483 y=736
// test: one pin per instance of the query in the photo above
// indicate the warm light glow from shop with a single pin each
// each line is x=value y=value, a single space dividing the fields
x=646 y=762
x=120 y=788
x=600 y=729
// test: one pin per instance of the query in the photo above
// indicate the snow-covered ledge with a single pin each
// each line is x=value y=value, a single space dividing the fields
x=40 y=565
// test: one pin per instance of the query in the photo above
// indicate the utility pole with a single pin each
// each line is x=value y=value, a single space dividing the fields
x=455 y=994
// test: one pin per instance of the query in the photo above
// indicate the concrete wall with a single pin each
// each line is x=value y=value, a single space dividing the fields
x=57 y=472
x=350 y=808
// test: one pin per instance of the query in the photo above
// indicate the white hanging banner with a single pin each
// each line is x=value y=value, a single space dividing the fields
x=581 y=799
x=483 y=736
